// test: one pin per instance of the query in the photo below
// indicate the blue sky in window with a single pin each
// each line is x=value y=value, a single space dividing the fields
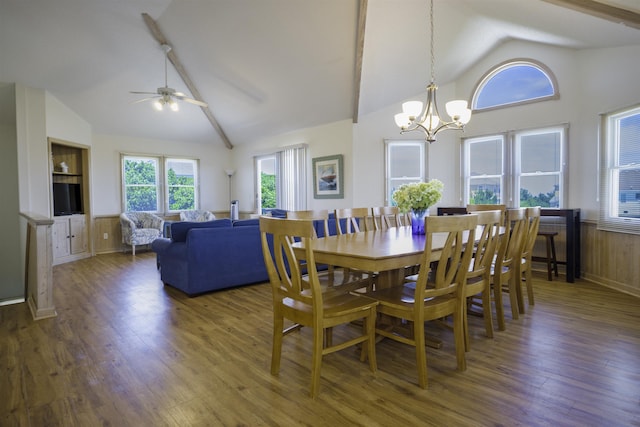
x=514 y=84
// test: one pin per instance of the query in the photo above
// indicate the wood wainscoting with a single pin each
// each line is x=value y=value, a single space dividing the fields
x=611 y=259
x=108 y=226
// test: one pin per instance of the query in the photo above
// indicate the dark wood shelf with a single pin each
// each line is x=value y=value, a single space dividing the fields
x=67 y=174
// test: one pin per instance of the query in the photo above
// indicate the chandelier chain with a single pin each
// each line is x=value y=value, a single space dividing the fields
x=433 y=55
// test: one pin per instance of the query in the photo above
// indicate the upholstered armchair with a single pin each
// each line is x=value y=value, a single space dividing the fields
x=140 y=228
x=196 y=216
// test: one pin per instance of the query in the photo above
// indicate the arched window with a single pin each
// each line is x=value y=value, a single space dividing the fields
x=514 y=82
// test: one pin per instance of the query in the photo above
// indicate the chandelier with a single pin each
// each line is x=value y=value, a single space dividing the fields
x=414 y=117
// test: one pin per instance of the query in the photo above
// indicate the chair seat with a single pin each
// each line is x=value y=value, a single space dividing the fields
x=336 y=307
x=402 y=296
x=340 y=281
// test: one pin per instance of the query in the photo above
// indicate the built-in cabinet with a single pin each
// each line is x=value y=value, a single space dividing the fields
x=71 y=232
x=69 y=237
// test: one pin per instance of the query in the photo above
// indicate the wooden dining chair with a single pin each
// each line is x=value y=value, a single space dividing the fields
x=436 y=294
x=523 y=270
x=385 y=217
x=298 y=297
x=503 y=276
x=487 y=207
x=354 y=220
x=478 y=283
x=334 y=279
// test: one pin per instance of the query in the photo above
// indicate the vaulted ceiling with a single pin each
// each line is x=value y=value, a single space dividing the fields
x=270 y=66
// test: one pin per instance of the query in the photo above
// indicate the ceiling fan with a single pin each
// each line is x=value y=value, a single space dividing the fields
x=166 y=95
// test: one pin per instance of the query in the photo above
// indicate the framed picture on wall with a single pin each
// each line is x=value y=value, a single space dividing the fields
x=328 y=178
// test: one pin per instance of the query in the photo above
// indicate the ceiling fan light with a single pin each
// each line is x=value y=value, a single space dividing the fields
x=173 y=105
x=158 y=104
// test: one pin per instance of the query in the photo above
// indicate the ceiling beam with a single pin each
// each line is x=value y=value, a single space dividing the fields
x=157 y=34
x=362 y=20
x=601 y=10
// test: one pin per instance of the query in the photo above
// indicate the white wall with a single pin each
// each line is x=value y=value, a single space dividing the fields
x=106 y=171
x=326 y=140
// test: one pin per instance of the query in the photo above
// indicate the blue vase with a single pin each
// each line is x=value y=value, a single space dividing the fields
x=417 y=221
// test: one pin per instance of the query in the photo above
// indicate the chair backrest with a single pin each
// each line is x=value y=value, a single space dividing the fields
x=513 y=239
x=487 y=236
x=453 y=264
x=144 y=219
x=356 y=220
x=314 y=215
x=483 y=207
x=197 y=216
x=284 y=267
x=384 y=217
x=533 y=225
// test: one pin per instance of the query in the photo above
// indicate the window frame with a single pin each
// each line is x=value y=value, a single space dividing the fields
x=512 y=169
x=291 y=177
x=482 y=82
x=162 y=184
x=610 y=168
x=389 y=144
x=466 y=163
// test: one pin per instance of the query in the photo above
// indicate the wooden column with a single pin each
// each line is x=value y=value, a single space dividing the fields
x=38 y=267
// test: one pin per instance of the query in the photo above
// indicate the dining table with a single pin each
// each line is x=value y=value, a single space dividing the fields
x=386 y=252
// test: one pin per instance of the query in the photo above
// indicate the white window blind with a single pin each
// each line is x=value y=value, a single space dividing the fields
x=292 y=178
x=620 y=171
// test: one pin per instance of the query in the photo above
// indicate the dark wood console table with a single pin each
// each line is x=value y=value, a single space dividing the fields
x=572 y=224
x=573 y=253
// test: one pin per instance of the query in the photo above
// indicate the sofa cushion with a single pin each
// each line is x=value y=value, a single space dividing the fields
x=179 y=230
x=246 y=222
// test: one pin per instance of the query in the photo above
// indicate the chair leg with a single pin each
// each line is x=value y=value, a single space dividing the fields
x=421 y=353
x=465 y=328
x=316 y=361
x=458 y=334
x=553 y=255
x=497 y=296
x=513 y=297
x=369 y=326
x=486 y=311
x=529 y=281
x=548 y=240
x=133 y=250
x=276 y=350
x=518 y=287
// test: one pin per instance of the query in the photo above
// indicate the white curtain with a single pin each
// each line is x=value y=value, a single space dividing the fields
x=291 y=176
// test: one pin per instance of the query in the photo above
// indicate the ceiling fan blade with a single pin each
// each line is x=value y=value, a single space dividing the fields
x=144 y=99
x=181 y=96
x=143 y=93
x=195 y=102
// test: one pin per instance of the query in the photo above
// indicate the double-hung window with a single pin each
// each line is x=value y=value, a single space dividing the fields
x=519 y=168
x=620 y=171
x=405 y=162
x=159 y=184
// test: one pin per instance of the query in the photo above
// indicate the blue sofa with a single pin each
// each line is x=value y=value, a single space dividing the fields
x=207 y=256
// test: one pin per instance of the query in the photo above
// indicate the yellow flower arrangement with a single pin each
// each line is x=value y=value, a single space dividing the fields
x=418 y=196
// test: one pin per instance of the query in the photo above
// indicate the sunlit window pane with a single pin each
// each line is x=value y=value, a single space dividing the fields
x=511 y=84
x=486 y=157
x=540 y=191
x=541 y=152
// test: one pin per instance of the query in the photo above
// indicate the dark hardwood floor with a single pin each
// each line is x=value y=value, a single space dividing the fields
x=126 y=351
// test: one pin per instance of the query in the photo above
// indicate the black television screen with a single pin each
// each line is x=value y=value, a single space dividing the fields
x=67 y=199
